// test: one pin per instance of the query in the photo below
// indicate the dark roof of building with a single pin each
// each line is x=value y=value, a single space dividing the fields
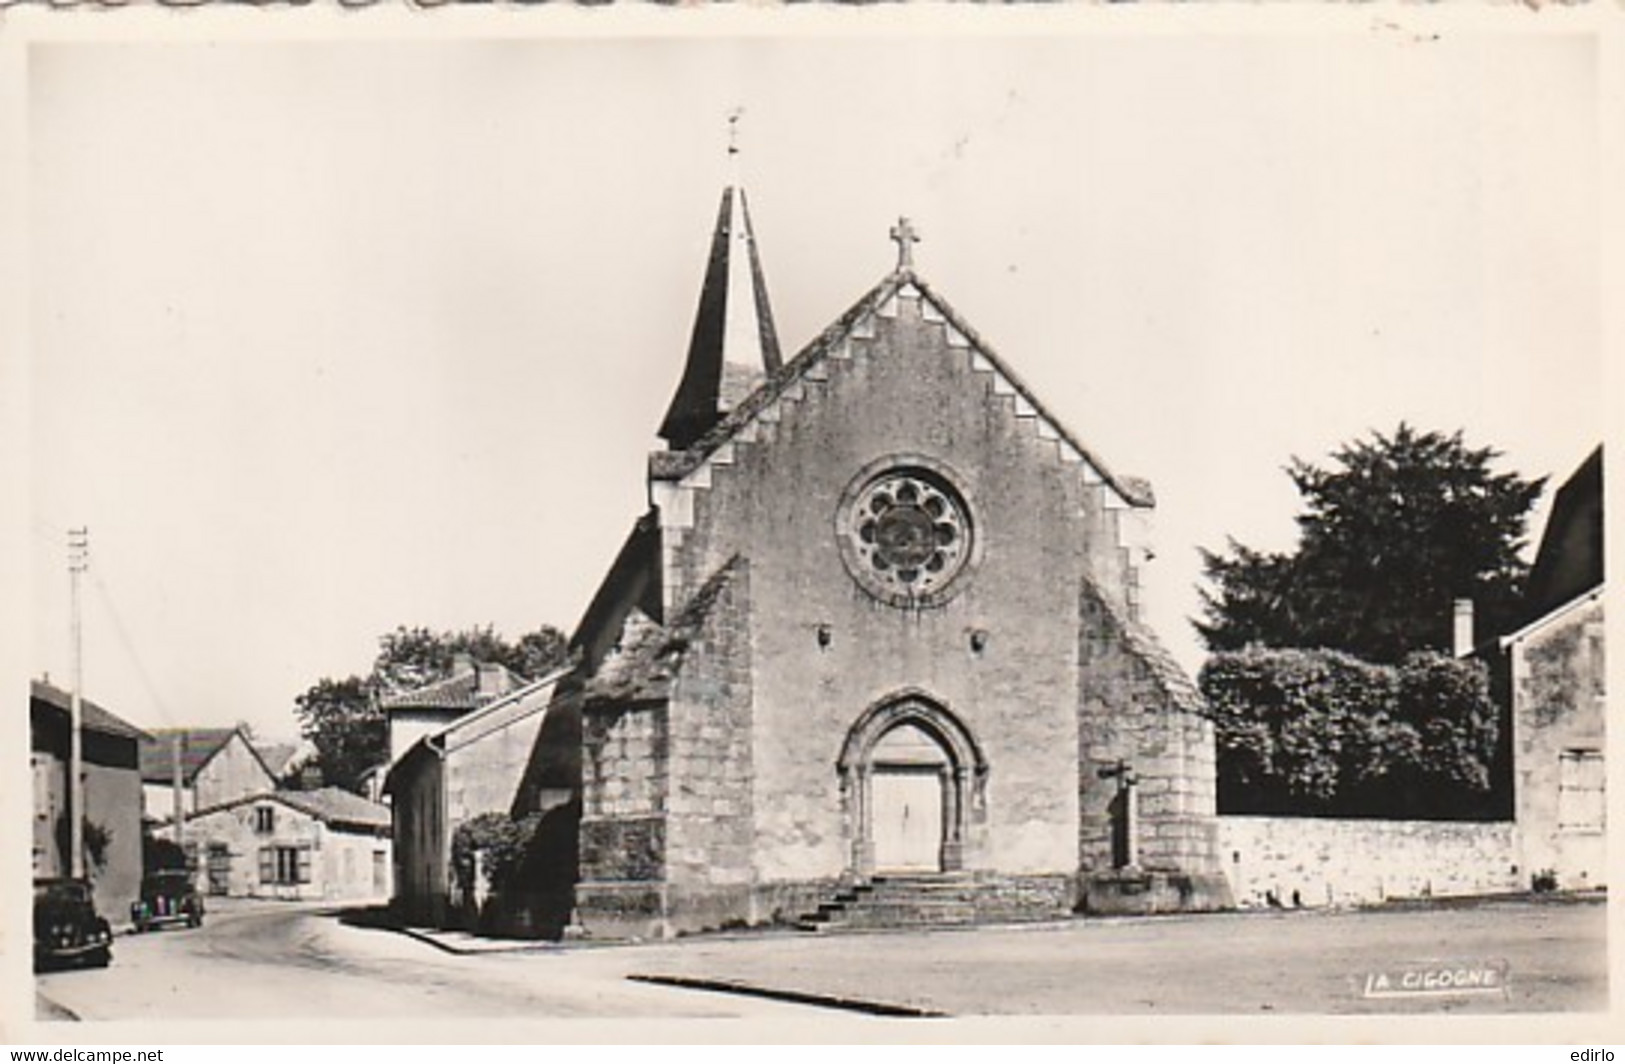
x=676 y=464
x=93 y=716
x=331 y=805
x=198 y=747
x=459 y=691
x=1570 y=560
x=694 y=406
x=643 y=668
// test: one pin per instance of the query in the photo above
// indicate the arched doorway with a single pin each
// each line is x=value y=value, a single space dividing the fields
x=911 y=780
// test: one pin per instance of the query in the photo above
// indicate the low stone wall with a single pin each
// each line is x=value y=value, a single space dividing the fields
x=1316 y=862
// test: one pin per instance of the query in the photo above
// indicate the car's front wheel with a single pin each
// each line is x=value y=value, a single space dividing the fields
x=101 y=958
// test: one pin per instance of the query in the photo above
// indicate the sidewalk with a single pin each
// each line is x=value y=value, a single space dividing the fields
x=461 y=943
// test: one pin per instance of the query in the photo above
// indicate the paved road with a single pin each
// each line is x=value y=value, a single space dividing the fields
x=270 y=961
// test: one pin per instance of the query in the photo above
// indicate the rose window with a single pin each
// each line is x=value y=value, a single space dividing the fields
x=907 y=535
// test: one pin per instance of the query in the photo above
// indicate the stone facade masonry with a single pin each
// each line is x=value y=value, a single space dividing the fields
x=743 y=791
x=666 y=828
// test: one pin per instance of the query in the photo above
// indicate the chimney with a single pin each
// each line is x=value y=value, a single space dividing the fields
x=461 y=661
x=493 y=680
x=1461 y=641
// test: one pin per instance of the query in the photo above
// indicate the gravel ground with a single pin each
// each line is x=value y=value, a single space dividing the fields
x=1311 y=961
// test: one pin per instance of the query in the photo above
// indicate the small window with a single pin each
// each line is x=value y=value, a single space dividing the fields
x=1580 y=793
x=264 y=820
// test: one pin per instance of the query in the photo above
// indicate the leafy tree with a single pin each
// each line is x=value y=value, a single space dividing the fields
x=1395 y=530
x=342 y=717
x=159 y=854
x=411 y=657
x=1319 y=732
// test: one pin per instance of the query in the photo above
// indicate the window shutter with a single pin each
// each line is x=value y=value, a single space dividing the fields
x=304 y=864
x=267 y=865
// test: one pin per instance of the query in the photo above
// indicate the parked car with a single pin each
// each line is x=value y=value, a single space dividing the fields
x=67 y=929
x=167 y=897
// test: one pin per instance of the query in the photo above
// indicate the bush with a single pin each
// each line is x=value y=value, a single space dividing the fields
x=1318 y=732
x=499 y=839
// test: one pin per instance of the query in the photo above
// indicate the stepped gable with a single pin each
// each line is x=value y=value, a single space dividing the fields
x=856 y=325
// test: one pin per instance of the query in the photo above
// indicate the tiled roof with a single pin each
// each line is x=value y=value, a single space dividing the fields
x=459 y=691
x=333 y=805
x=198 y=745
x=93 y=716
x=674 y=465
x=643 y=668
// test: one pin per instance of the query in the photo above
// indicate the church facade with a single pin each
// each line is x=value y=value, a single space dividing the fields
x=880 y=621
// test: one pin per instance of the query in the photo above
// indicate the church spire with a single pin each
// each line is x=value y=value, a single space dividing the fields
x=733 y=347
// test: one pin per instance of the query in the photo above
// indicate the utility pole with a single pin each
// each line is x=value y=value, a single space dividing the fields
x=78 y=562
x=178 y=780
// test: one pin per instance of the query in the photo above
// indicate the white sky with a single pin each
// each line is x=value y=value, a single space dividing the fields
x=325 y=338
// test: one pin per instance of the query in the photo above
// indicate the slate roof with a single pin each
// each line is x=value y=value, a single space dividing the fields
x=1570 y=560
x=198 y=747
x=92 y=716
x=693 y=407
x=643 y=668
x=674 y=465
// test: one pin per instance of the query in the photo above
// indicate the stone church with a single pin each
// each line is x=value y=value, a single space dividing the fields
x=878 y=631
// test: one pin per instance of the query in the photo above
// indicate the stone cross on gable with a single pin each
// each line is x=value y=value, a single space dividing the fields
x=906 y=237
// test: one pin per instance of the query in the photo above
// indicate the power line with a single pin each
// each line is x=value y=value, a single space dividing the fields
x=129 y=649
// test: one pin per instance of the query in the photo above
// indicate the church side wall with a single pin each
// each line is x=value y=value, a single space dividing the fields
x=709 y=822
x=1128 y=717
x=908 y=392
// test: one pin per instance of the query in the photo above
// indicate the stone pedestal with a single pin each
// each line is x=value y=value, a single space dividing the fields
x=1132 y=892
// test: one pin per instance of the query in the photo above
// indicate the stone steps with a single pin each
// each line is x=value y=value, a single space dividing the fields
x=914 y=901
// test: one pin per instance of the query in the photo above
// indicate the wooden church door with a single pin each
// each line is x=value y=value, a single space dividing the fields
x=906 y=796
x=908 y=819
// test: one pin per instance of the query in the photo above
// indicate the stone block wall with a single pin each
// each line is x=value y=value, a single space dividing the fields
x=710 y=827
x=1135 y=708
x=624 y=792
x=1353 y=862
